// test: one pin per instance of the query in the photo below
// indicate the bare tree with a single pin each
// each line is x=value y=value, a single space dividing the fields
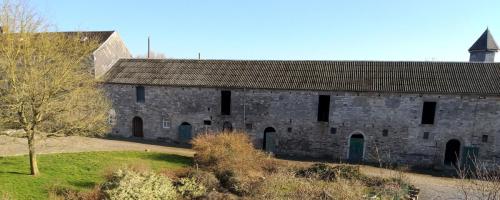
x=46 y=90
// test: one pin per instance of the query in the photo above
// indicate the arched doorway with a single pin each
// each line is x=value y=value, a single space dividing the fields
x=227 y=127
x=185 y=130
x=137 y=130
x=268 y=140
x=452 y=152
x=356 y=148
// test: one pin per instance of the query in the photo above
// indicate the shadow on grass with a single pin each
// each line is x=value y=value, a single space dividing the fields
x=171 y=158
x=18 y=173
x=83 y=184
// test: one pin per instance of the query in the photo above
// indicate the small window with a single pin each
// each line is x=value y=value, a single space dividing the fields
x=385 y=132
x=428 y=112
x=249 y=126
x=140 y=94
x=165 y=123
x=485 y=138
x=225 y=103
x=426 y=135
x=333 y=130
x=207 y=122
x=323 y=108
x=289 y=129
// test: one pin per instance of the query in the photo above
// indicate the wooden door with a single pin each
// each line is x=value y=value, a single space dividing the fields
x=185 y=132
x=137 y=130
x=356 y=149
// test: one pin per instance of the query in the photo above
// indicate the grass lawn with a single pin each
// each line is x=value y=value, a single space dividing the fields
x=77 y=170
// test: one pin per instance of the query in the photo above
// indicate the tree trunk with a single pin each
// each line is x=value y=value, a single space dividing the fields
x=32 y=153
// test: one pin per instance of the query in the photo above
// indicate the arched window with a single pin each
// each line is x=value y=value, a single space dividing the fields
x=140 y=94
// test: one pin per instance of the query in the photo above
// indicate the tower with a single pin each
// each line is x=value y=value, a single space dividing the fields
x=484 y=49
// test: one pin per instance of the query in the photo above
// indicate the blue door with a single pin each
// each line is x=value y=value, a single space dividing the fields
x=185 y=132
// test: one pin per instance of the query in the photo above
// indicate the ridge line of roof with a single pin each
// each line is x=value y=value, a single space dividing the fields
x=236 y=60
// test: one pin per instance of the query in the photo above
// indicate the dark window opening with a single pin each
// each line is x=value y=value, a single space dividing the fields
x=289 y=129
x=426 y=135
x=225 y=102
x=385 y=132
x=485 y=138
x=249 y=126
x=323 y=108
x=428 y=112
x=333 y=130
x=207 y=122
x=140 y=94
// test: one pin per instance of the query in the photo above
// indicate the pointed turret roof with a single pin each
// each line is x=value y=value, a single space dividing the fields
x=485 y=43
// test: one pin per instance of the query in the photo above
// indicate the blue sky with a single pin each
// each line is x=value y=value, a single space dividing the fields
x=286 y=29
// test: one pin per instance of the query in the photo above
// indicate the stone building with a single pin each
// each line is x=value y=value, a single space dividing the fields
x=419 y=113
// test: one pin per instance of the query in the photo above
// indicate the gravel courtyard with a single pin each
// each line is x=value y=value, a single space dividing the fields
x=431 y=187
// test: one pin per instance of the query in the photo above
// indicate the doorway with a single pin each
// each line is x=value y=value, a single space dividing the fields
x=185 y=130
x=137 y=130
x=356 y=148
x=268 y=139
x=452 y=152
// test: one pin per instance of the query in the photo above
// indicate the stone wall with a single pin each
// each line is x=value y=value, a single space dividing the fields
x=293 y=114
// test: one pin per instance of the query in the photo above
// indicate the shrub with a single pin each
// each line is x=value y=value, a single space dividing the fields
x=232 y=158
x=190 y=188
x=224 y=151
x=288 y=186
x=204 y=178
x=127 y=184
x=62 y=192
x=326 y=172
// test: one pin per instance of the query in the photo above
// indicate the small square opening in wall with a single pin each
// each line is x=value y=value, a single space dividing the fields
x=333 y=130
x=289 y=129
x=248 y=126
x=426 y=135
x=484 y=138
x=207 y=122
x=385 y=132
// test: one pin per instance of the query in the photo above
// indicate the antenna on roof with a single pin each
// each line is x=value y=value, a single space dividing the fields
x=149 y=47
x=199 y=56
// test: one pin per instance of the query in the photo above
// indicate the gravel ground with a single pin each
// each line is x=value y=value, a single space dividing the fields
x=431 y=187
x=17 y=146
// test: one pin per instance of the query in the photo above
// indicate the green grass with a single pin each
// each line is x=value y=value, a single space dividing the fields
x=81 y=171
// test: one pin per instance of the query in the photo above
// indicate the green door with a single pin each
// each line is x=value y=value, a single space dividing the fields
x=269 y=139
x=356 y=148
x=185 y=132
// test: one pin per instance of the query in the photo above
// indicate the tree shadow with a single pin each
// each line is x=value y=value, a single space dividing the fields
x=171 y=158
x=14 y=172
x=82 y=184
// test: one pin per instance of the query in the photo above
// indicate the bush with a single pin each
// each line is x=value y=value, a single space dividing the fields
x=326 y=172
x=227 y=151
x=190 y=188
x=232 y=158
x=207 y=179
x=289 y=186
x=128 y=184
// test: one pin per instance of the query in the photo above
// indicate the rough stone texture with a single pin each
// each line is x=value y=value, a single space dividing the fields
x=108 y=53
x=465 y=118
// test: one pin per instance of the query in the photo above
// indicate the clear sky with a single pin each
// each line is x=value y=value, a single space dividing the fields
x=286 y=29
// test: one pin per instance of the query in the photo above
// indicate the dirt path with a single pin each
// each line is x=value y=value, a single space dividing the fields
x=431 y=187
x=16 y=146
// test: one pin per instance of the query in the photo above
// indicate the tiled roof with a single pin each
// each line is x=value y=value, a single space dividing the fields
x=485 y=43
x=359 y=76
x=100 y=36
